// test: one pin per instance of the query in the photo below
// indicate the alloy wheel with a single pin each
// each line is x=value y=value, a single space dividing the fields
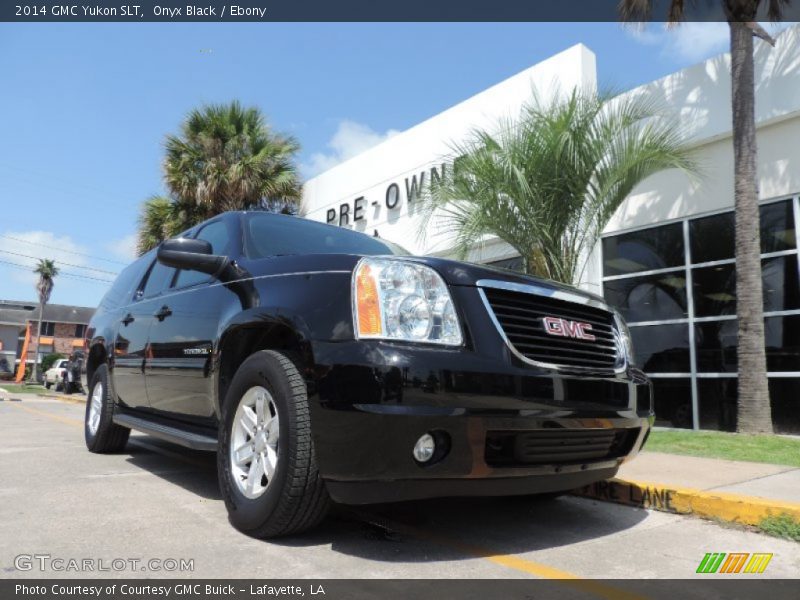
x=254 y=442
x=95 y=408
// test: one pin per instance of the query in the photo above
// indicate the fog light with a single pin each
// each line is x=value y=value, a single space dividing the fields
x=424 y=448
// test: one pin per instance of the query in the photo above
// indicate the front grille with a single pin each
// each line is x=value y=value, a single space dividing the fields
x=557 y=446
x=520 y=315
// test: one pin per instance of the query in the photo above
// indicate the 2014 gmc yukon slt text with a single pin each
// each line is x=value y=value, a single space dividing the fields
x=321 y=363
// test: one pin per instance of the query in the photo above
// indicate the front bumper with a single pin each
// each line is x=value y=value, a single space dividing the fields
x=371 y=401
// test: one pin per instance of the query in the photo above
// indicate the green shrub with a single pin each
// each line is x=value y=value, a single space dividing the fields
x=783 y=526
x=49 y=360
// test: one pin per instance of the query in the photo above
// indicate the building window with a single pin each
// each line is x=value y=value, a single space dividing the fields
x=47 y=328
x=80 y=331
x=676 y=286
x=513 y=264
x=646 y=250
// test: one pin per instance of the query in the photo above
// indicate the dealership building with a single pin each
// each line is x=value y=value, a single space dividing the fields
x=666 y=258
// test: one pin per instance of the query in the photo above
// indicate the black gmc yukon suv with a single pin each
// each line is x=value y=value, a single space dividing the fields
x=320 y=363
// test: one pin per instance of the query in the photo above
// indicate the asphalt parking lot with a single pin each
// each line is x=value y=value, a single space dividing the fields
x=158 y=501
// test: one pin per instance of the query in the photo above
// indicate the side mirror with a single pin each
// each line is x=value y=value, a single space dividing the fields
x=193 y=255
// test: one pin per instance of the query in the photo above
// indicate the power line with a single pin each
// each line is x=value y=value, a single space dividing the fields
x=16 y=239
x=66 y=264
x=64 y=274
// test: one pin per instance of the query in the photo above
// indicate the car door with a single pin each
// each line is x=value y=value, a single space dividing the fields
x=130 y=344
x=182 y=336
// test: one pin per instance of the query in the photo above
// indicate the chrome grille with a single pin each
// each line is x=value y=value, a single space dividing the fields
x=520 y=314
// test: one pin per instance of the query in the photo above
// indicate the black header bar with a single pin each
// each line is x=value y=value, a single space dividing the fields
x=210 y=11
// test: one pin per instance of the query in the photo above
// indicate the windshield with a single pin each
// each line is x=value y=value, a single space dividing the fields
x=275 y=235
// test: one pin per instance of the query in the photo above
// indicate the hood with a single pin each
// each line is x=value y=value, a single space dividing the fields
x=457 y=272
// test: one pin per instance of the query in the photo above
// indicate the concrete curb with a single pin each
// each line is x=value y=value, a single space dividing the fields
x=79 y=400
x=734 y=508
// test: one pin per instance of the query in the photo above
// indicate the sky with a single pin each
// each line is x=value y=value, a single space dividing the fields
x=85 y=108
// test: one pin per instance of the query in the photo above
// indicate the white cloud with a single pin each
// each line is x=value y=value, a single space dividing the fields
x=685 y=42
x=123 y=249
x=690 y=41
x=28 y=247
x=350 y=139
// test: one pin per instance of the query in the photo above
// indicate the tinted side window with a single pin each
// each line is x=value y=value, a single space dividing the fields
x=158 y=279
x=123 y=287
x=217 y=235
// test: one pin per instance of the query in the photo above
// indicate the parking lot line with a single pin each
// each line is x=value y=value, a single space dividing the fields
x=59 y=418
x=510 y=561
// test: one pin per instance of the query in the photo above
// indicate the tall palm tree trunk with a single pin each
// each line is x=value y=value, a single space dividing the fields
x=754 y=412
x=35 y=370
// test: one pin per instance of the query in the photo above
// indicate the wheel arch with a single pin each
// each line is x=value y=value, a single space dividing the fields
x=98 y=355
x=242 y=339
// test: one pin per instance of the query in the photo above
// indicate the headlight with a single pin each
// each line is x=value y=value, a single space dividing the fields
x=400 y=300
x=625 y=339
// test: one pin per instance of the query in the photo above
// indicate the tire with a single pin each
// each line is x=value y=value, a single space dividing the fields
x=47 y=385
x=294 y=498
x=102 y=435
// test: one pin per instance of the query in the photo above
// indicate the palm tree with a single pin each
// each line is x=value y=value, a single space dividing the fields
x=161 y=218
x=224 y=158
x=754 y=414
x=548 y=182
x=46 y=270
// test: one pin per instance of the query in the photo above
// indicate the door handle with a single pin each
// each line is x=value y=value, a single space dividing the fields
x=163 y=313
x=128 y=319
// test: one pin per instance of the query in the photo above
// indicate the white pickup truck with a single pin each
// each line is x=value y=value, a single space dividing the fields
x=54 y=376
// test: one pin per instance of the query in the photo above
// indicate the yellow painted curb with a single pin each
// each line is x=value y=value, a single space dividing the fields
x=735 y=508
x=80 y=400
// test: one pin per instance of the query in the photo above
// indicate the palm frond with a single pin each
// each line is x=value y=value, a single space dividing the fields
x=548 y=182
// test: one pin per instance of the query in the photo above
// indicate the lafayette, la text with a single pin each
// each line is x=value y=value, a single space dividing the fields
x=177 y=589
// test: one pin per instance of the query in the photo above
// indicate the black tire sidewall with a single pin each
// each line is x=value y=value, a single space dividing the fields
x=263 y=370
x=93 y=440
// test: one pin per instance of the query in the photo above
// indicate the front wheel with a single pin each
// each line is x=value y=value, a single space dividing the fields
x=266 y=461
x=100 y=432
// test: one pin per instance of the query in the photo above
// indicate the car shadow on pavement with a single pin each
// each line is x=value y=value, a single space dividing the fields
x=455 y=528
x=460 y=528
x=193 y=470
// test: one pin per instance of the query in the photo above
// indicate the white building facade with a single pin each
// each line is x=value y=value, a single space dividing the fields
x=666 y=257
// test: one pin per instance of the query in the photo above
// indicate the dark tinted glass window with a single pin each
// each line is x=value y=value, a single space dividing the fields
x=781 y=287
x=274 y=235
x=123 y=287
x=662 y=348
x=158 y=279
x=715 y=287
x=216 y=234
x=783 y=343
x=645 y=250
x=648 y=298
x=715 y=344
x=716 y=403
x=714 y=291
x=673 y=402
x=784 y=392
x=713 y=238
x=777 y=227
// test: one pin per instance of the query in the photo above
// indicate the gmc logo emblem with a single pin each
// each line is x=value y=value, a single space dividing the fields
x=570 y=329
